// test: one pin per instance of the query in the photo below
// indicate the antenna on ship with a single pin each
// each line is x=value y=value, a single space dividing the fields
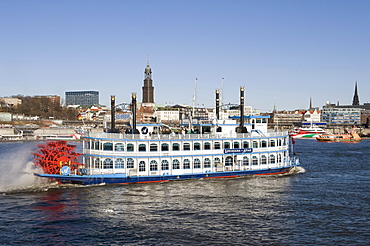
x=276 y=127
x=221 y=91
x=194 y=103
x=195 y=94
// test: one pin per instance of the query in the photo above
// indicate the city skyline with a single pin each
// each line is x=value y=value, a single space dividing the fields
x=282 y=52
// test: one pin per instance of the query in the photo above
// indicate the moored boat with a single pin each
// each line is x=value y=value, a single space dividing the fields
x=307 y=132
x=348 y=136
x=221 y=149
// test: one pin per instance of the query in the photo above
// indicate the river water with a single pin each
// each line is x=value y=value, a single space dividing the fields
x=327 y=204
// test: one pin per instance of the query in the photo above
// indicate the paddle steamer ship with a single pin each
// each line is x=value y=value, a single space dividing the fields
x=220 y=149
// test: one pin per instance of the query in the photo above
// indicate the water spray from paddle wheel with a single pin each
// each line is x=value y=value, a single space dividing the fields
x=53 y=155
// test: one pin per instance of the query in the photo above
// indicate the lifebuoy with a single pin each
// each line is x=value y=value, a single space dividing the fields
x=144 y=130
x=65 y=170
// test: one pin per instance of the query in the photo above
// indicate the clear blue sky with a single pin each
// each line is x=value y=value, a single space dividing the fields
x=281 y=51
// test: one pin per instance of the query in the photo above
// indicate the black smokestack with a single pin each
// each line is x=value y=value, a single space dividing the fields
x=217 y=104
x=113 y=114
x=241 y=127
x=133 y=105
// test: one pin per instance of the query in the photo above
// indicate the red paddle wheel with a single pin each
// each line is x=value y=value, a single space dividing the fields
x=53 y=155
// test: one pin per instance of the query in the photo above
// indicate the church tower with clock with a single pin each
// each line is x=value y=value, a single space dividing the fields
x=145 y=112
x=148 y=89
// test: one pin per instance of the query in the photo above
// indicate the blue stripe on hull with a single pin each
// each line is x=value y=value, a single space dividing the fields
x=122 y=179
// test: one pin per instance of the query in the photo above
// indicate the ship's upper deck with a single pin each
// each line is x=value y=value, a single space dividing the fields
x=232 y=135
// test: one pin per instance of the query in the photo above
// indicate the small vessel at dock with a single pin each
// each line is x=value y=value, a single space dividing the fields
x=348 y=136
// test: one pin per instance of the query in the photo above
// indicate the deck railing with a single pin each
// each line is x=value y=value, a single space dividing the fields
x=103 y=135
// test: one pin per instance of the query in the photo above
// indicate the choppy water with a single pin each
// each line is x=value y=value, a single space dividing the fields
x=329 y=204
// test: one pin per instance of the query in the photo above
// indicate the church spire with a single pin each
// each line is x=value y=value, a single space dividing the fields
x=356 y=100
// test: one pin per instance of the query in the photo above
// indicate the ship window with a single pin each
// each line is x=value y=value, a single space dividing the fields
x=130 y=147
x=254 y=160
x=97 y=145
x=226 y=145
x=153 y=147
x=197 y=163
x=196 y=146
x=229 y=161
x=207 y=163
x=186 y=164
x=108 y=163
x=207 y=145
x=142 y=147
x=164 y=147
x=107 y=146
x=255 y=144
x=87 y=162
x=245 y=161
x=119 y=163
x=272 y=143
x=263 y=159
x=279 y=142
x=245 y=144
x=217 y=162
x=217 y=145
x=236 y=145
x=165 y=165
x=264 y=144
x=279 y=158
x=175 y=164
x=119 y=147
x=142 y=166
x=272 y=159
x=175 y=147
x=97 y=163
x=153 y=166
x=186 y=146
x=130 y=163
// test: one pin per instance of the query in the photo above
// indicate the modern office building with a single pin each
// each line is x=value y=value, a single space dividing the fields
x=82 y=98
x=342 y=116
x=354 y=114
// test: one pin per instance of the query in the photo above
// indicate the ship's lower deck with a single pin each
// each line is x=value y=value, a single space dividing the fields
x=124 y=179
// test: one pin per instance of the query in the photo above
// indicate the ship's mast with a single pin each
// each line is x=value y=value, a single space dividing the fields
x=194 y=103
x=221 y=92
x=195 y=94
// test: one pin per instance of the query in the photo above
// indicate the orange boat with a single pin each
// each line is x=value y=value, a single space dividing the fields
x=349 y=136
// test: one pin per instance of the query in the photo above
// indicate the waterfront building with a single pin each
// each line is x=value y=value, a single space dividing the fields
x=346 y=114
x=82 y=98
x=341 y=116
x=10 y=102
x=54 y=99
x=313 y=116
x=93 y=113
x=167 y=115
x=287 y=118
x=248 y=110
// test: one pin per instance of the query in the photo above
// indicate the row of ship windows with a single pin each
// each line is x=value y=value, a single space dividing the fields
x=108 y=146
x=119 y=163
